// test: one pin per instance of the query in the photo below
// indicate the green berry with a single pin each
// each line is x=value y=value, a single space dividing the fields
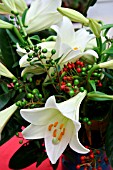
x=18 y=103
x=40 y=96
x=85 y=119
x=35 y=91
x=30 y=80
x=21 y=141
x=30 y=55
x=71 y=93
x=76 y=82
x=89 y=123
x=95 y=74
x=83 y=69
x=53 y=51
x=17 y=84
x=89 y=67
x=29 y=95
x=29 y=59
x=69 y=84
x=14 y=80
x=83 y=73
x=81 y=89
x=44 y=50
x=20 y=90
x=42 y=57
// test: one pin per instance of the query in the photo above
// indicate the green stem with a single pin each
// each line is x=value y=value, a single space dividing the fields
x=18 y=35
x=92 y=70
x=24 y=31
x=99 y=44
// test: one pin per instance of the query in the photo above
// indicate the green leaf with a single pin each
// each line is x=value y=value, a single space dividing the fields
x=108 y=51
x=98 y=96
x=92 y=83
x=4 y=87
x=24 y=16
x=106 y=26
x=36 y=37
x=20 y=96
x=5 y=98
x=12 y=36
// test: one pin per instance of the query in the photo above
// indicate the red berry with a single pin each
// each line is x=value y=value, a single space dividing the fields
x=78 y=62
x=100 y=84
x=99 y=160
x=98 y=152
x=99 y=168
x=78 y=70
x=78 y=166
x=82 y=158
x=62 y=87
x=94 y=168
x=92 y=156
x=106 y=159
x=81 y=64
x=65 y=69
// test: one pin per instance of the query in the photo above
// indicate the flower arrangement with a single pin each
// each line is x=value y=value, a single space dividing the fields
x=56 y=82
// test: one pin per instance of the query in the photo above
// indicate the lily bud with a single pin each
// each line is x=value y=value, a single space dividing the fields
x=4 y=24
x=107 y=64
x=73 y=15
x=95 y=27
x=5 y=72
x=5 y=116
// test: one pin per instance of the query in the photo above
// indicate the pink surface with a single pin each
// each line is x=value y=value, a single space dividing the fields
x=10 y=147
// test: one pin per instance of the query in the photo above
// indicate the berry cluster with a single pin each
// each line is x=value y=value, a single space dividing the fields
x=29 y=96
x=93 y=160
x=74 y=77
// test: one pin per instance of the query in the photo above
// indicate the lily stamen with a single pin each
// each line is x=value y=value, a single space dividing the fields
x=55 y=133
x=55 y=124
x=50 y=127
x=61 y=126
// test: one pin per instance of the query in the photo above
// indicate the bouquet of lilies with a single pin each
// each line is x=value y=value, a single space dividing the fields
x=52 y=77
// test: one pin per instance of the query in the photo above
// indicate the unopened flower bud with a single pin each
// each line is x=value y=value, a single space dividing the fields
x=73 y=15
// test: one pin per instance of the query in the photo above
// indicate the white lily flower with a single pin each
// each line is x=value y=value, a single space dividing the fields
x=42 y=14
x=5 y=116
x=76 y=40
x=57 y=123
x=5 y=72
x=19 y=4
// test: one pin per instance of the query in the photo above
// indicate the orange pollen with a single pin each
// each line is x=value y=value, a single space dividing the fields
x=50 y=127
x=60 y=136
x=63 y=132
x=55 y=124
x=55 y=133
x=61 y=126
x=75 y=48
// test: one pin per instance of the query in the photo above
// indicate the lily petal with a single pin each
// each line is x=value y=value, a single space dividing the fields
x=5 y=116
x=34 y=132
x=5 y=72
x=38 y=116
x=32 y=70
x=77 y=146
x=70 y=108
x=44 y=17
x=55 y=151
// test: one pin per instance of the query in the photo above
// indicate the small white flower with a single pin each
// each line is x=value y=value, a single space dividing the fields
x=77 y=41
x=57 y=123
x=5 y=116
x=42 y=14
x=5 y=72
